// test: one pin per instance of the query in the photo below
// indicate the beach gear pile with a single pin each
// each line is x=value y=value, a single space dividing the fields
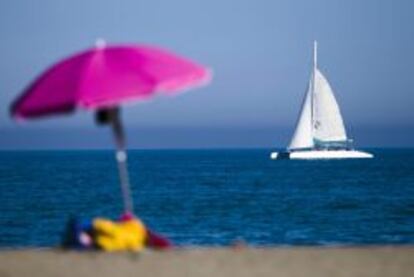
x=126 y=234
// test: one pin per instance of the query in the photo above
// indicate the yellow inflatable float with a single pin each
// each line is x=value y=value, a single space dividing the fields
x=130 y=235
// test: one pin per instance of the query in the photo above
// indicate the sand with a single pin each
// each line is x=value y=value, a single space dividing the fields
x=215 y=262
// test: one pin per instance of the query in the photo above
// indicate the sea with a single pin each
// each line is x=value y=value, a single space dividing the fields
x=212 y=197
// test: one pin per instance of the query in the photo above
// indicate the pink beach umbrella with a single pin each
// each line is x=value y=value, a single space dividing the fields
x=103 y=78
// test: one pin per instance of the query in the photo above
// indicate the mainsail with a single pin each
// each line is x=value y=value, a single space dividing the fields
x=328 y=125
x=320 y=119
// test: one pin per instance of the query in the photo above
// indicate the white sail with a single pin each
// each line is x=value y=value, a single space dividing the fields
x=302 y=138
x=320 y=118
x=328 y=125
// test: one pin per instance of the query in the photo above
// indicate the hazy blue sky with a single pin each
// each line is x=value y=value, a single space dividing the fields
x=260 y=52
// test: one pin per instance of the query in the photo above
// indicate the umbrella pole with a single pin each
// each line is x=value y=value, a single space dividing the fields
x=121 y=158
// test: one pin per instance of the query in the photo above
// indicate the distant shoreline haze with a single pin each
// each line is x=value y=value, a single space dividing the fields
x=29 y=137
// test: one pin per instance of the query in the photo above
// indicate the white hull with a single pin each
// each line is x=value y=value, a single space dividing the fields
x=321 y=154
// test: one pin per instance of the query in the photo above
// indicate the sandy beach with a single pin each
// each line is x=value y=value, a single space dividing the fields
x=367 y=261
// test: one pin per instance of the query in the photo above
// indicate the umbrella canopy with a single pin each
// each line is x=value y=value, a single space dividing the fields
x=102 y=79
x=106 y=77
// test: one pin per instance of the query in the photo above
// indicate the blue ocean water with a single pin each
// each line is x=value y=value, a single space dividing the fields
x=213 y=197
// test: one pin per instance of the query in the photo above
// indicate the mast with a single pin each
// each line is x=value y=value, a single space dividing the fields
x=315 y=55
x=314 y=68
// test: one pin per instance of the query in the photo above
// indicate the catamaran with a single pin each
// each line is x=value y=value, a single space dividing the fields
x=320 y=132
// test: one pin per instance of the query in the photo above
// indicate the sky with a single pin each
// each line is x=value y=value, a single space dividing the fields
x=261 y=55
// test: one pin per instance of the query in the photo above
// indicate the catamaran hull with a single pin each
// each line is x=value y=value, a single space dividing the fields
x=321 y=154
